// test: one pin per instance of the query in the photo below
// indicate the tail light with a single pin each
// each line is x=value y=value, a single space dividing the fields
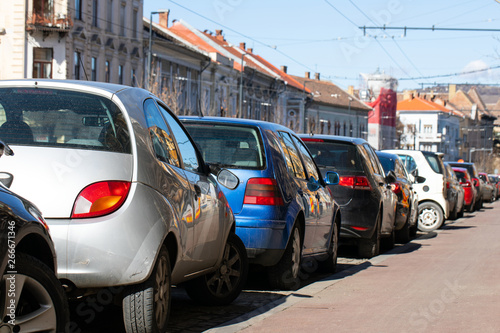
x=447 y=185
x=100 y=199
x=355 y=182
x=263 y=191
x=396 y=188
x=466 y=184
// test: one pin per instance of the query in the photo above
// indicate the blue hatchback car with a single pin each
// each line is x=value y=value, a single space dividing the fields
x=284 y=211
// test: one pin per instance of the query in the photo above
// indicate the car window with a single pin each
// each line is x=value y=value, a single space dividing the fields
x=312 y=171
x=434 y=162
x=292 y=156
x=163 y=144
x=186 y=147
x=409 y=162
x=374 y=159
x=62 y=119
x=228 y=145
x=339 y=156
x=369 y=162
x=387 y=164
x=400 y=169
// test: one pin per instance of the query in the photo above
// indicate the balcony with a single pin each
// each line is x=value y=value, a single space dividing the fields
x=49 y=23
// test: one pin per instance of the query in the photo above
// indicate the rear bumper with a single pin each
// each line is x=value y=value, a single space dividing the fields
x=265 y=240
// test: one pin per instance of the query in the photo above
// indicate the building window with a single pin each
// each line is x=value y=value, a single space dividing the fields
x=427 y=128
x=110 y=16
x=122 y=18
x=95 y=10
x=42 y=63
x=107 y=73
x=77 y=61
x=134 y=23
x=43 y=9
x=78 y=9
x=120 y=74
x=94 y=69
x=132 y=78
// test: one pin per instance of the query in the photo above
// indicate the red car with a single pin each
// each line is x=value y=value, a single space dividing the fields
x=466 y=182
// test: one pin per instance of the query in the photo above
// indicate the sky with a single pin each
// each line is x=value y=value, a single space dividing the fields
x=323 y=36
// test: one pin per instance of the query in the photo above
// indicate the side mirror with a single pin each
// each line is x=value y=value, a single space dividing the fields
x=420 y=179
x=6 y=179
x=332 y=178
x=391 y=177
x=414 y=172
x=5 y=149
x=228 y=179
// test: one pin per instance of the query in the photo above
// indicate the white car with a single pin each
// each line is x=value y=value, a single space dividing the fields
x=428 y=169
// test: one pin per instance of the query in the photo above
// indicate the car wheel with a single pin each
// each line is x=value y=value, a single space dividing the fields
x=146 y=306
x=285 y=274
x=430 y=216
x=40 y=301
x=368 y=248
x=226 y=283
x=330 y=264
x=403 y=235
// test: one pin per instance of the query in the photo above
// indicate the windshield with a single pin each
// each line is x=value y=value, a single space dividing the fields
x=226 y=145
x=61 y=118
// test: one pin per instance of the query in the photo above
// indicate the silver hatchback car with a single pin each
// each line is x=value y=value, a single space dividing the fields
x=129 y=201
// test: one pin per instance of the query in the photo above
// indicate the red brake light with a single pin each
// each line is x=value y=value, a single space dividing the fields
x=396 y=188
x=355 y=182
x=312 y=140
x=99 y=199
x=447 y=185
x=262 y=191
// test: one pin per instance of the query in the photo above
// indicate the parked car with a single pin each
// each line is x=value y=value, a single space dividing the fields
x=128 y=198
x=495 y=180
x=433 y=207
x=28 y=267
x=407 y=204
x=488 y=189
x=455 y=193
x=477 y=182
x=465 y=180
x=282 y=207
x=367 y=202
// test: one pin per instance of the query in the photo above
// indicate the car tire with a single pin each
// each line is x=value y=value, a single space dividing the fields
x=285 y=274
x=330 y=264
x=41 y=297
x=146 y=306
x=226 y=283
x=403 y=235
x=368 y=248
x=430 y=217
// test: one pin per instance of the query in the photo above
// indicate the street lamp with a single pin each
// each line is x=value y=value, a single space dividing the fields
x=241 y=83
x=151 y=43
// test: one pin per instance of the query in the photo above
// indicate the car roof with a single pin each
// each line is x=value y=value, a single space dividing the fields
x=110 y=88
x=357 y=141
x=387 y=155
x=237 y=121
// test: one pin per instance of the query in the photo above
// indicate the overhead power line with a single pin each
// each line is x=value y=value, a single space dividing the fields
x=433 y=28
x=454 y=74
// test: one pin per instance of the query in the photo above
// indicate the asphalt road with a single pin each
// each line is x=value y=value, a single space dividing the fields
x=398 y=291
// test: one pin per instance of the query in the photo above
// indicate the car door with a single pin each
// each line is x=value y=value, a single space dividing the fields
x=322 y=201
x=307 y=198
x=207 y=216
x=389 y=199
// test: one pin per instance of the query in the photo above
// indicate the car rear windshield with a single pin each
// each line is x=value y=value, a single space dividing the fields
x=61 y=118
x=461 y=176
x=339 y=156
x=387 y=163
x=227 y=145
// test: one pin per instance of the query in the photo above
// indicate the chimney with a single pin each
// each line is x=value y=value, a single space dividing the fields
x=243 y=46
x=350 y=90
x=308 y=75
x=164 y=19
x=218 y=35
x=284 y=69
x=250 y=50
x=452 y=91
x=316 y=76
